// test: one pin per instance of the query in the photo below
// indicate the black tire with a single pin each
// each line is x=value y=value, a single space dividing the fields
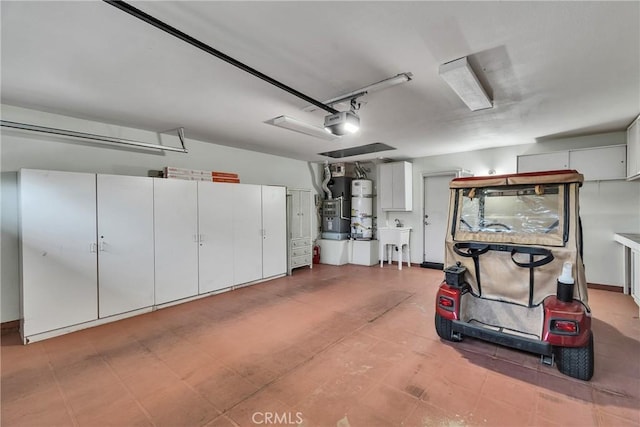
x=576 y=362
x=444 y=328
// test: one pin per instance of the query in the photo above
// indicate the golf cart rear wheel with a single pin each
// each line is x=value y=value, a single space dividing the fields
x=444 y=328
x=576 y=362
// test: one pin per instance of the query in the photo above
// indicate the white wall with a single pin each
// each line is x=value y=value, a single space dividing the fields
x=22 y=149
x=607 y=207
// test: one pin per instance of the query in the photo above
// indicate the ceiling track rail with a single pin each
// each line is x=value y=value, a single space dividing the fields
x=93 y=137
x=202 y=46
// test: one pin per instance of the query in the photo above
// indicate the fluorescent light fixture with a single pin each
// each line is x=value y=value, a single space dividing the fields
x=382 y=84
x=459 y=75
x=301 y=127
x=342 y=123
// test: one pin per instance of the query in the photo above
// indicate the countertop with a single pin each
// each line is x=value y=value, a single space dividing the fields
x=630 y=240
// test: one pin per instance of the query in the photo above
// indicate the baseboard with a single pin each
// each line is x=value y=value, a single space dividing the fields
x=10 y=327
x=610 y=288
x=432 y=265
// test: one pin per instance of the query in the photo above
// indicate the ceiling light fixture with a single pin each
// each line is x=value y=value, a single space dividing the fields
x=382 y=84
x=301 y=127
x=459 y=75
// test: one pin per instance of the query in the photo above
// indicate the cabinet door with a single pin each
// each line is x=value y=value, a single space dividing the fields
x=601 y=163
x=176 y=239
x=543 y=162
x=295 y=222
x=274 y=223
x=402 y=186
x=395 y=186
x=305 y=213
x=397 y=180
x=247 y=233
x=385 y=186
x=125 y=243
x=215 y=219
x=633 y=150
x=58 y=249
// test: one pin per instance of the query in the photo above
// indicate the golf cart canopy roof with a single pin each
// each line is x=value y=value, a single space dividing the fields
x=547 y=177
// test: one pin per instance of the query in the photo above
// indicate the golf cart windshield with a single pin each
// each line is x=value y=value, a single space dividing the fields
x=512 y=214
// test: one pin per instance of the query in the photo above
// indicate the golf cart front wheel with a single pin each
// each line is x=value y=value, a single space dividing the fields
x=444 y=328
x=576 y=362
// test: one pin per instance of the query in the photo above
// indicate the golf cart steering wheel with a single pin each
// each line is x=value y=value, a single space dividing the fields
x=497 y=224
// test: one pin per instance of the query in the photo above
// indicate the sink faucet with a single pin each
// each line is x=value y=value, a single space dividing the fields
x=398 y=223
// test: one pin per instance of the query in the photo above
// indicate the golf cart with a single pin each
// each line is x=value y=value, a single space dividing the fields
x=515 y=275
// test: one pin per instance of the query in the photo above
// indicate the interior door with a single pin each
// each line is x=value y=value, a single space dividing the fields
x=176 y=239
x=58 y=249
x=274 y=224
x=247 y=233
x=436 y=211
x=215 y=219
x=125 y=243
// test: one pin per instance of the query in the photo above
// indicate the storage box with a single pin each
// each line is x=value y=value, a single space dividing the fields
x=216 y=174
x=200 y=175
x=230 y=180
x=454 y=275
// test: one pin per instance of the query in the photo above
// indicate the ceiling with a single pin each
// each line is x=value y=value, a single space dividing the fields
x=553 y=68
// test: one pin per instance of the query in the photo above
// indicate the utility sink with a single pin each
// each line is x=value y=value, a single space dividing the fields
x=390 y=237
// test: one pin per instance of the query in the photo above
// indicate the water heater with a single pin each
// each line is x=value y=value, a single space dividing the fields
x=362 y=209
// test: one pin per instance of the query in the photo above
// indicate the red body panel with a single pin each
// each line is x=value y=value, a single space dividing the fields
x=452 y=293
x=574 y=311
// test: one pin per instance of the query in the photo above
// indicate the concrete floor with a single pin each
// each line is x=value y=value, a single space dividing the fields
x=333 y=346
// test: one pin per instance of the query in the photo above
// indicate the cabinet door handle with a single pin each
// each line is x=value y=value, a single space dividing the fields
x=195 y=238
x=93 y=247
x=201 y=238
x=102 y=245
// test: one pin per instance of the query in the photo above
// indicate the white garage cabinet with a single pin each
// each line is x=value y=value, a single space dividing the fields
x=212 y=236
x=176 y=239
x=125 y=243
x=96 y=248
x=59 y=252
x=86 y=247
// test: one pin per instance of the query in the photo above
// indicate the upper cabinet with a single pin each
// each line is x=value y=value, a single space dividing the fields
x=600 y=164
x=633 y=150
x=545 y=161
x=395 y=186
x=596 y=164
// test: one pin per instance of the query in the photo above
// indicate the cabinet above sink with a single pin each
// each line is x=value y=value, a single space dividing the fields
x=395 y=186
